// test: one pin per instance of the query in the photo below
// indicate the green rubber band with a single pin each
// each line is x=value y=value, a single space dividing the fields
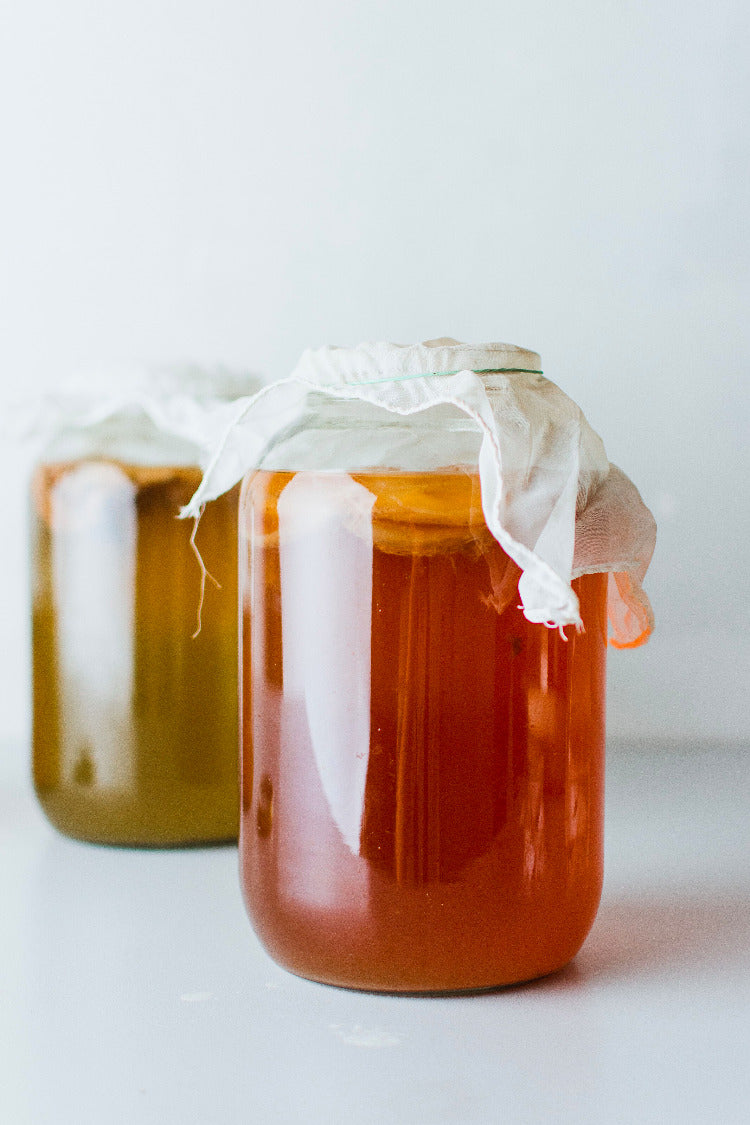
x=429 y=374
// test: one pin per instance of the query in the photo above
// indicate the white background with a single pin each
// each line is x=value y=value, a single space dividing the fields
x=233 y=181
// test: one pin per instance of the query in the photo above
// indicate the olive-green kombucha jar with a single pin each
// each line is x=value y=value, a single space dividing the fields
x=135 y=737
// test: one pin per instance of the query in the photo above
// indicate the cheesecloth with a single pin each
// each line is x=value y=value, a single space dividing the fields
x=151 y=415
x=549 y=495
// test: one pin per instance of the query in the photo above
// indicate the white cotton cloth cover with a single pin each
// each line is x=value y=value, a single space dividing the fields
x=549 y=494
x=173 y=414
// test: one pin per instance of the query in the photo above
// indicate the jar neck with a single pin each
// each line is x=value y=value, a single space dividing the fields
x=130 y=440
x=345 y=435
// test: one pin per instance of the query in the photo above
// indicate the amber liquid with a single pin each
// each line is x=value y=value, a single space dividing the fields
x=134 y=722
x=422 y=768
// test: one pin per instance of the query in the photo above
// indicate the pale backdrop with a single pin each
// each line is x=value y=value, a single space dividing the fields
x=233 y=181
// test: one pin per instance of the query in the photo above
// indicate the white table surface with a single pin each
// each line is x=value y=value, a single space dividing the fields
x=133 y=991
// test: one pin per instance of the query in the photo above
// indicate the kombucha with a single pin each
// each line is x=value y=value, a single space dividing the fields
x=134 y=720
x=422 y=768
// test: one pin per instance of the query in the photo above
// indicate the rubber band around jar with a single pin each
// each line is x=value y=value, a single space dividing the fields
x=433 y=374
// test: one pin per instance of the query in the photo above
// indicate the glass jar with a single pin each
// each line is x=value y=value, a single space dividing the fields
x=422 y=768
x=135 y=727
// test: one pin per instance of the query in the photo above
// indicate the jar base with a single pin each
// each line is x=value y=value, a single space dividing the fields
x=500 y=985
x=424 y=966
x=155 y=821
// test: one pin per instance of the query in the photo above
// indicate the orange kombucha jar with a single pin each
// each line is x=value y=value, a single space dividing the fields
x=422 y=769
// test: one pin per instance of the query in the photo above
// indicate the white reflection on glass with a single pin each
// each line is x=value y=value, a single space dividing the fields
x=325 y=542
x=94 y=544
